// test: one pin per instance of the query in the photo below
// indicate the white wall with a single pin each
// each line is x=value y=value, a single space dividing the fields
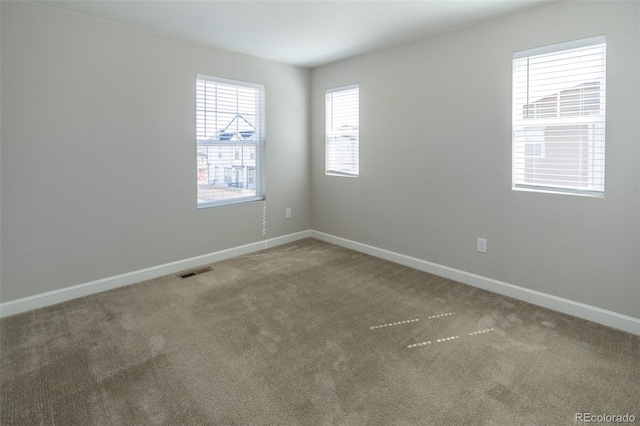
x=98 y=150
x=435 y=147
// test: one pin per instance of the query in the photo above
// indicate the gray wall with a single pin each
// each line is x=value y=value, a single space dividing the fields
x=99 y=156
x=97 y=166
x=435 y=152
x=0 y=157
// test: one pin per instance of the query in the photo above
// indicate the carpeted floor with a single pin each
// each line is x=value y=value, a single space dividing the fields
x=310 y=334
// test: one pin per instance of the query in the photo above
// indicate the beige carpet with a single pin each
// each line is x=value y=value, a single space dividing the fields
x=310 y=334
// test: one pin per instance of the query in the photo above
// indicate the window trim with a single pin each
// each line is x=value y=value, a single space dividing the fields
x=259 y=143
x=326 y=139
x=558 y=47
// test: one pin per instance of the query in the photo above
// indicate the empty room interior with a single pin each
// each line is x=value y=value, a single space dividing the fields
x=319 y=213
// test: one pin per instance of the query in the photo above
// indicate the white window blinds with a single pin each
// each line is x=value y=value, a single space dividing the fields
x=230 y=118
x=559 y=117
x=342 y=109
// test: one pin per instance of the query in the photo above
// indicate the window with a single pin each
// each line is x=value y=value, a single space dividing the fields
x=559 y=118
x=342 y=131
x=533 y=145
x=230 y=117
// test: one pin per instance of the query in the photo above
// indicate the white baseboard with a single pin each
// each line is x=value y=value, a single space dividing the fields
x=570 y=307
x=62 y=295
x=566 y=306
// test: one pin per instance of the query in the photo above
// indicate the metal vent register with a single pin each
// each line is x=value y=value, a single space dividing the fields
x=194 y=273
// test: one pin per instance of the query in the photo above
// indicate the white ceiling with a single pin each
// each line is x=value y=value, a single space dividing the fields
x=303 y=33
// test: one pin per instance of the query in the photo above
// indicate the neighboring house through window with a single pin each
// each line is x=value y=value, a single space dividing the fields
x=559 y=118
x=342 y=109
x=230 y=118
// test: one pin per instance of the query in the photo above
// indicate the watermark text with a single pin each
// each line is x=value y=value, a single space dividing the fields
x=604 y=418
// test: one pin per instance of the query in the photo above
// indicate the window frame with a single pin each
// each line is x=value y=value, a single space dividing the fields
x=351 y=141
x=547 y=116
x=234 y=148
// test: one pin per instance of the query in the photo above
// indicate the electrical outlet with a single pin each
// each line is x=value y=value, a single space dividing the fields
x=482 y=245
x=287 y=213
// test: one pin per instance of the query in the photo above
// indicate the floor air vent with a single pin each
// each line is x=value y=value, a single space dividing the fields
x=194 y=273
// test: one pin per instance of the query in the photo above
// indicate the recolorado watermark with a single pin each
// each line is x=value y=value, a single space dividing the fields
x=604 y=418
